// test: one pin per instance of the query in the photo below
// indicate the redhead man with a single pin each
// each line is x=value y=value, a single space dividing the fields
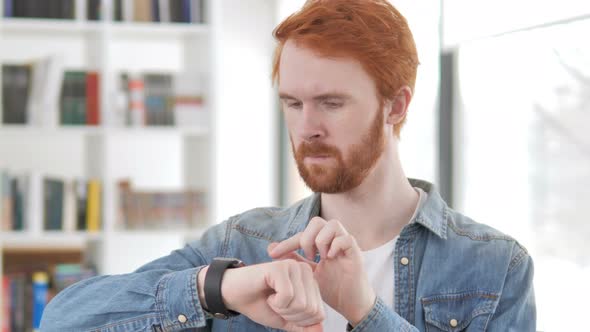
x=370 y=250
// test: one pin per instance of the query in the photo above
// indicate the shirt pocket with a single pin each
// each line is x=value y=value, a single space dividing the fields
x=466 y=311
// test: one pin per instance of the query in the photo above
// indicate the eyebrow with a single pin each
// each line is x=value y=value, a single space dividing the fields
x=322 y=97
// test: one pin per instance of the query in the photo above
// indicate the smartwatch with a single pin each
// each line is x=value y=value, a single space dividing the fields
x=212 y=287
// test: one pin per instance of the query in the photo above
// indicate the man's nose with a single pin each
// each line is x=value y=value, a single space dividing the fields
x=311 y=124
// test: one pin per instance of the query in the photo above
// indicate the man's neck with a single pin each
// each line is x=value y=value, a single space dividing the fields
x=377 y=210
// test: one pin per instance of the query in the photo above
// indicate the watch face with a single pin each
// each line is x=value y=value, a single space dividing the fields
x=234 y=261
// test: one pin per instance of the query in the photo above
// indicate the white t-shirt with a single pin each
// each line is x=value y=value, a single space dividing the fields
x=380 y=271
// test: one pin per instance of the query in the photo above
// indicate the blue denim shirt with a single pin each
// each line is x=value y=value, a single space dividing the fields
x=461 y=276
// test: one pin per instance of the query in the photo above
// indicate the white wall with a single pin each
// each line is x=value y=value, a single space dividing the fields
x=244 y=116
x=466 y=20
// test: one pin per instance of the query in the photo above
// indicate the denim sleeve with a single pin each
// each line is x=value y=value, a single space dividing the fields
x=382 y=318
x=516 y=310
x=159 y=296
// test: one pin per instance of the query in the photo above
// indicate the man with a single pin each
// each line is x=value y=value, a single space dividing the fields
x=369 y=251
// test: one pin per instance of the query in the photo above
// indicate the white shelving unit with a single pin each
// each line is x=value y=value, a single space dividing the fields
x=232 y=158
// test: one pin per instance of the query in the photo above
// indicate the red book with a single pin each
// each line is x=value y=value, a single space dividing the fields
x=92 y=101
x=5 y=309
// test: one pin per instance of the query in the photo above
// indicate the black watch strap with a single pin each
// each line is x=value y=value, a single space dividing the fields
x=212 y=287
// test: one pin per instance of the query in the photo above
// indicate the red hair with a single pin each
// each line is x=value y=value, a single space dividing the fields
x=371 y=31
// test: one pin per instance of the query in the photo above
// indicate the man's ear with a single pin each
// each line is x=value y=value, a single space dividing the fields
x=397 y=107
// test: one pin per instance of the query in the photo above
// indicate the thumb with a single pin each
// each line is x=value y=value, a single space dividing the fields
x=299 y=258
x=271 y=246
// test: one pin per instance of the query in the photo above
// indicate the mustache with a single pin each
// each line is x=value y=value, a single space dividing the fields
x=316 y=149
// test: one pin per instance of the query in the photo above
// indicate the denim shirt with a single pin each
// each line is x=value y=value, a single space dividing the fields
x=452 y=274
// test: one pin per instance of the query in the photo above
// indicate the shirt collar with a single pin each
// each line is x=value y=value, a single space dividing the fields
x=433 y=214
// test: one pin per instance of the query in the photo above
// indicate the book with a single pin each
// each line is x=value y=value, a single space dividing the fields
x=26 y=290
x=43 y=101
x=34 y=201
x=176 y=14
x=197 y=11
x=15 y=93
x=164 y=10
x=18 y=188
x=18 y=303
x=128 y=10
x=53 y=202
x=67 y=274
x=55 y=9
x=93 y=215
x=94 y=10
x=118 y=10
x=6 y=204
x=136 y=101
x=142 y=10
x=8 y=8
x=160 y=210
x=73 y=98
x=69 y=207
x=81 y=192
x=92 y=98
x=155 y=10
x=158 y=90
x=40 y=288
x=5 y=311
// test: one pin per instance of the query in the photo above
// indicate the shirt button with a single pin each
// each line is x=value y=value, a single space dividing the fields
x=453 y=323
x=405 y=261
x=182 y=318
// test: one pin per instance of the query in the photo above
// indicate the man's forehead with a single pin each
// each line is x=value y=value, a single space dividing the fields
x=305 y=72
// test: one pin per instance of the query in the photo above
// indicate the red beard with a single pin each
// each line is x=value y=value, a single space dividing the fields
x=346 y=175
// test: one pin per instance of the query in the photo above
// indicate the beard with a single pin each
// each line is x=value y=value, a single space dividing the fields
x=346 y=174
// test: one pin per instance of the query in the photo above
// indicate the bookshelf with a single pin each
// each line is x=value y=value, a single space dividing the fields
x=229 y=55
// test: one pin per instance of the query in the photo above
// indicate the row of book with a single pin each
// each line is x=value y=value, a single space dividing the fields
x=181 y=11
x=160 y=210
x=160 y=99
x=29 y=200
x=44 y=94
x=27 y=289
x=60 y=9
x=178 y=11
x=79 y=98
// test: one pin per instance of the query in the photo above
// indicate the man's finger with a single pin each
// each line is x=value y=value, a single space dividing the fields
x=288 y=245
x=304 y=240
x=307 y=241
x=280 y=282
x=344 y=243
x=292 y=255
x=324 y=239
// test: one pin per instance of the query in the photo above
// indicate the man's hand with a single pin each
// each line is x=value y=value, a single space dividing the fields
x=281 y=294
x=340 y=273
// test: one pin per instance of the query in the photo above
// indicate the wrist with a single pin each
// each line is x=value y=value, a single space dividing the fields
x=362 y=311
x=201 y=286
x=227 y=291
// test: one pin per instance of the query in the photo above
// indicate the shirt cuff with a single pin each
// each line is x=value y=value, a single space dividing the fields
x=381 y=318
x=177 y=301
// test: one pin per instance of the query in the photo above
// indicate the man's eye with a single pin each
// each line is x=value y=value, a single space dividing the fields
x=294 y=105
x=333 y=105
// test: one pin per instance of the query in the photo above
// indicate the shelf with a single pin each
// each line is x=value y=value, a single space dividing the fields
x=46 y=240
x=191 y=233
x=40 y=25
x=141 y=29
x=57 y=240
x=118 y=29
x=28 y=130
